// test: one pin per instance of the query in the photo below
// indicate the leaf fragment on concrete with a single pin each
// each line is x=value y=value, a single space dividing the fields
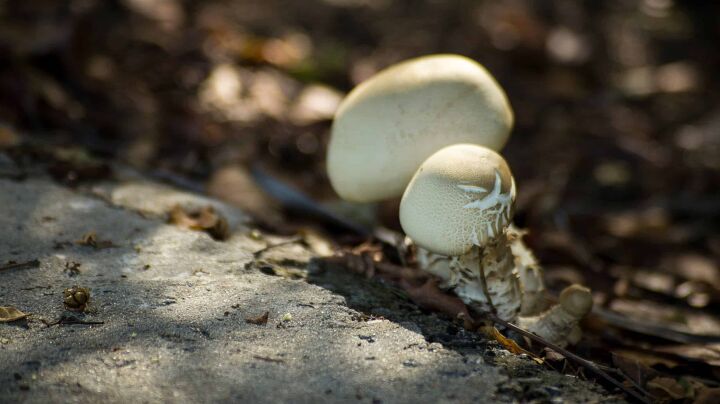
x=258 y=320
x=9 y=314
x=91 y=239
x=204 y=219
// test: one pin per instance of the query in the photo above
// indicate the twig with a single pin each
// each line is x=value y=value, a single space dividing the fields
x=21 y=265
x=268 y=247
x=71 y=320
x=575 y=358
x=293 y=199
x=267 y=359
x=403 y=272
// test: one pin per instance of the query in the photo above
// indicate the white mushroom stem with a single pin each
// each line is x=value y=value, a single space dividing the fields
x=530 y=273
x=493 y=265
x=515 y=287
x=560 y=323
x=483 y=278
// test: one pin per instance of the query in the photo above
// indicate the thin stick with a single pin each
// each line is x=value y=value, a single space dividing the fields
x=582 y=361
x=258 y=253
x=21 y=265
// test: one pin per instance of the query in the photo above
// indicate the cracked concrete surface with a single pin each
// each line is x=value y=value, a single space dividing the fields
x=173 y=304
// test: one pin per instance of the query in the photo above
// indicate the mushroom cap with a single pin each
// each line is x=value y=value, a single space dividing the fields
x=576 y=300
x=460 y=196
x=388 y=125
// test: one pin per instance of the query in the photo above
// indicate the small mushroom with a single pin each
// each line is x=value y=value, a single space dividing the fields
x=459 y=205
x=388 y=125
x=76 y=298
x=560 y=323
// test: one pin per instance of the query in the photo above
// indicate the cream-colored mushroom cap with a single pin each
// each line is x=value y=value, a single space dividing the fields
x=388 y=125
x=576 y=300
x=460 y=196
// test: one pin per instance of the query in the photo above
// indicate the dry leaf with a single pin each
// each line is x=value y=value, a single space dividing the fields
x=509 y=344
x=9 y=314
x=708 y=396
x=90 y=239
x=259 y=320
x=636 y=365
x=8 y=137
x=708 y=353
x=666 y=388
x=204 y=219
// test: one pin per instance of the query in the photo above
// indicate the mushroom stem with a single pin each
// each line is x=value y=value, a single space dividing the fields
x=498 y=290
x=560 y=324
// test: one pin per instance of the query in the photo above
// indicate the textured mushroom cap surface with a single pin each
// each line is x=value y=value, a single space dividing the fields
x=460 y=196
x=388 y=125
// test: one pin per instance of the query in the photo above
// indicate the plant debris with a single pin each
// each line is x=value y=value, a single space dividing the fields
x=9 y=314
x=67 y=319
x=72 y=268
x=258 y=320
x=204 y=219
x=73 y=166
x=20 y=265
x=76 y=298
x=90 y=239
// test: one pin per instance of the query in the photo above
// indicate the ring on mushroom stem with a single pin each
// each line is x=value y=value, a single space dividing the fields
x=459 y=204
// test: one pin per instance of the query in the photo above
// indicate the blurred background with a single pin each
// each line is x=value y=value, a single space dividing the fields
x=616 y=148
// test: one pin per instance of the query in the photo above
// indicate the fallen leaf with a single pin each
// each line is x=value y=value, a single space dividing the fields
x=72 y=166
x=509 y=344
x=258 y=320
x=9 y=314
x=269 y=268
x=708 y=353
x=8 y=137
x=90 y=239
x=708 y=396
x=203 y=219
x=666 y=388
x=636 y=365
x=72 y=268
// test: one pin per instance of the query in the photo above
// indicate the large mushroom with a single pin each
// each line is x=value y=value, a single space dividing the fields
x=388 y=125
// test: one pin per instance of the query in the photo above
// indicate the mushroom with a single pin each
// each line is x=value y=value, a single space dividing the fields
x=388 y=125
x=560 y=323
x=448 y=116
x=459 y=205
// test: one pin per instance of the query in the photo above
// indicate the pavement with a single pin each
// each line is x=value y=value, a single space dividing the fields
x=176 y=316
